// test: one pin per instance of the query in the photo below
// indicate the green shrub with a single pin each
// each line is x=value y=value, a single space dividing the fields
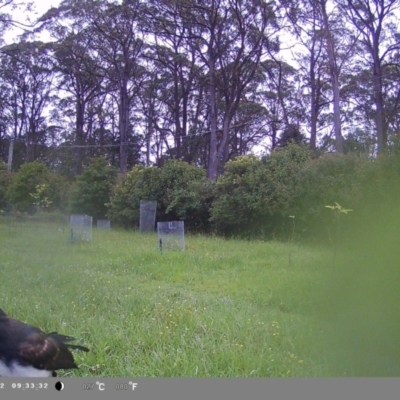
x=280 y=179
x=140 y=183
x=323 y=181
x=256 y=196
x=93 y=189
x=172 y=186
x=177 y=177
x=5 y=182
x=233 y=211
x=192 y=204
x=35 y=186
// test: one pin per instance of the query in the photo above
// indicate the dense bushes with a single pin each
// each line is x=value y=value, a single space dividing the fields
x=254 y=197
x=324 y=181
x=257 y=197
x=5 y=181
x=140 y=183
x=192 y=204
x=173 y=187
x=236 y=203
x=35 y=187
x=175 y=177
x=93 y=189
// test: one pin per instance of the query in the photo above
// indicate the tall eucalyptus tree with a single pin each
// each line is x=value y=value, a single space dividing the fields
x=376 y=22
x=119 y=44
x=110 y=51
x=175 y=59
x=329 y=50
x=227 y=39
x=27 y=72
x=81 y=80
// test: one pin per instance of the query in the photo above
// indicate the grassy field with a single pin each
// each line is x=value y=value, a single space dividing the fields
x=222 y=308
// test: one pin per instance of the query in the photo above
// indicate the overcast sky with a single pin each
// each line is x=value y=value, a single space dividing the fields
x=41 y=6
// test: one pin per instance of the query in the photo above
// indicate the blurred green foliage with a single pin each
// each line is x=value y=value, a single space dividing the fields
x=178 y=187
x=25 y=183
x=93 y=189
x=5 y=182
x=359 y=304
x=256 y=196
x=140 y=183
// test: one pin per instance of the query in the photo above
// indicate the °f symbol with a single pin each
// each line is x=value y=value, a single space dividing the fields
x=133 y=384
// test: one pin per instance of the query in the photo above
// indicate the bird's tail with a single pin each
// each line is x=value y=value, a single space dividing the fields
x=66 y=339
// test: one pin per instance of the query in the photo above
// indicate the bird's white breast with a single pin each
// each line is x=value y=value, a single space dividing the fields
x=20 y=371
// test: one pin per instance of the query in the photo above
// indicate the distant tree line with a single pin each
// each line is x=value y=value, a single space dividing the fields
x=282 y=195
x=200 y=81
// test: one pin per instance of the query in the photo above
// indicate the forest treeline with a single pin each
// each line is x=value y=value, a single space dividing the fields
x=106 y=103
x=202 y=81
x=283 y=195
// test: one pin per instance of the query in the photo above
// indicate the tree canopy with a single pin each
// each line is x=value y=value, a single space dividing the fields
x=205 y=81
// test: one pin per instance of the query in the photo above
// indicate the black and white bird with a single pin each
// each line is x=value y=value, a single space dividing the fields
x=26 y=351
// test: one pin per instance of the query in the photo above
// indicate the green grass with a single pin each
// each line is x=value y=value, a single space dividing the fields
x=222 y=308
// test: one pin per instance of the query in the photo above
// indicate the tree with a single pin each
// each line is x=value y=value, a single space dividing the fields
x=118 y=29
x=35 y=178
x=334 y=69
x=280 y=96
x=228 y=39
x=235 y=36
x=94 y=188
x=113 y=39
x=330 y=49
x=27 y=72
x=307 y=27
x=175 y=62
x=6 y=20
x=375 y=21
x=81 y=79
x=5 y=181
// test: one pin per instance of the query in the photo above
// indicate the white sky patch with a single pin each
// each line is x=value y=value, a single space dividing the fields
x=20 y=15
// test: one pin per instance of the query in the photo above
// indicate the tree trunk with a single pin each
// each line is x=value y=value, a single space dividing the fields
x=178 y=132
x=11 y=147
x=378 y=98
x=184 y=152
x=213 y=155
x=123 y=128
x=314 y=105
x=31 y=142
x=224 y=146
x=149 y=135
x=336 y=115
x=334 y=73
x=30 y=156
x=79 y=139
x=10 y=155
